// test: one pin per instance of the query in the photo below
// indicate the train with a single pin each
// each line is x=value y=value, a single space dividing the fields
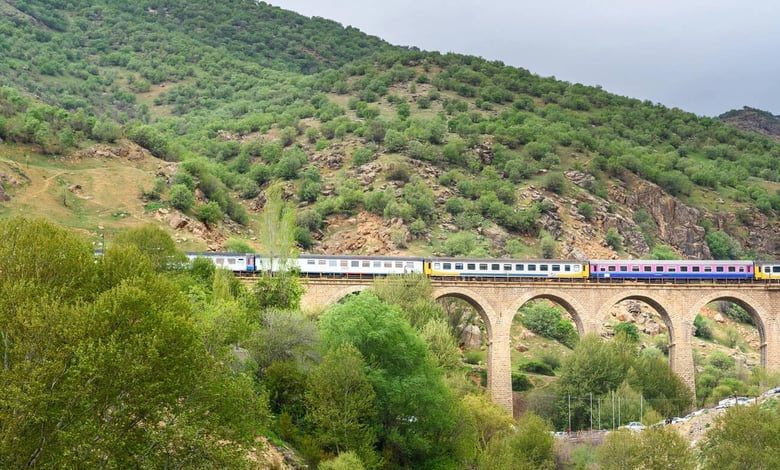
x=355 y=266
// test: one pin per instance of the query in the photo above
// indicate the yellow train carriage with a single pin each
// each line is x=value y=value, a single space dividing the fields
x=767 y=270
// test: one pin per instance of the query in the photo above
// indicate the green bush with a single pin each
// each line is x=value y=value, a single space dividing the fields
x=703 y=327
x=536 y=367
x=521 y=383
x=585 y=210
x=181 y=197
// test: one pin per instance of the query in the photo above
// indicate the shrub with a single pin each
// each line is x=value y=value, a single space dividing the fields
x=210 y=214
x=703 y=328
x=585 y=210
x=537 y=367
x=629 y=329
x=181 y=197
x=521 y=383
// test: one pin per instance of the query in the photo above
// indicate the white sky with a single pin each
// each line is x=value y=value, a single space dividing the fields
x=703 y=56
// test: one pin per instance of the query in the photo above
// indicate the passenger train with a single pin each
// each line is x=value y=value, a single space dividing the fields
x=310 y=265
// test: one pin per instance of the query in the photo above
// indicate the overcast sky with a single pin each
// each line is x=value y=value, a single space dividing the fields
x=703 y=56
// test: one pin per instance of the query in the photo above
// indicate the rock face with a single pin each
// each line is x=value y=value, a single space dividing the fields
x=470 y=337
x=677 y=222
x=754 y=120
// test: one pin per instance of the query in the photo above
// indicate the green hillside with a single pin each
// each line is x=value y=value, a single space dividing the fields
x=242 y=94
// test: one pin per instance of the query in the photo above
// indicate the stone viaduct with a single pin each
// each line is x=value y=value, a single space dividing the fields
x=588 y=303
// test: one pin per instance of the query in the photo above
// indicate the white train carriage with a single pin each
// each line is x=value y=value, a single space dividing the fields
x=357 y=266
x=236 y=262
x=505 y=268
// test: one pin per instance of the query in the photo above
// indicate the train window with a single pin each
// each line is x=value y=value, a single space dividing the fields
x=732 y=269
x=322 y=262
x=647 y=269
x=388 y=264
x=532 y=267
x=219 y=261
x=695 y=269
x=377 y=264
x=410 y=265
x=471 y=266
x=366 y=264
x=343 y=263
x=611 y=269
x=623 y=269
x=458 y=266
x=708 y=269
x=355 y=264
x=671 y=269
x=436 y=265
x=446 y=266
x=556 y=267
x=231 y=261
x=332 y=263
x=495 y=267
x=634 y=269
x=683 y=269
x=507 y=267
x=519 y=267
x=719 y=269
x=483 y=266
x=567 y=268
x=776 y=269
x=602 y=268
x=659 y=269
x=399 y=264
x=543 y=267
x=310 y=261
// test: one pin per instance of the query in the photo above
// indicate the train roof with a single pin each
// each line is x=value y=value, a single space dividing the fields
x=673 y=262
x=507 y=260
x=360 y=257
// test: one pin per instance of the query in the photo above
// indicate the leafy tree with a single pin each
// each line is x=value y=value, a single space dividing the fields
x=489 y=419
x=529 y=447
x=154 y=243
x=84 y=370
x=722 y=245
x=210 y=213
x=418 y=414
x=276 y=230
x=344 y=461
x=743 y=437
x=181 y=197
x=279 y=290
x=660 y=447
x=340 y=403
x=629 y=329
x=613 y=238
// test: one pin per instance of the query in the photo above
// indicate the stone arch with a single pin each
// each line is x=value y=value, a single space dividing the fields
x=479 y=304
x=649 y=300
x=570 y=304
x=338 y=295
x=745 y=301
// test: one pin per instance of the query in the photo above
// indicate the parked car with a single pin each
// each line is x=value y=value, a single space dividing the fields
x=634 y=426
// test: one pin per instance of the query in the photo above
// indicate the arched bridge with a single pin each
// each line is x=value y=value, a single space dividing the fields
x=587 y=303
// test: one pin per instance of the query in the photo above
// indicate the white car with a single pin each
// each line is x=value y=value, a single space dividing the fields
x=634 y=426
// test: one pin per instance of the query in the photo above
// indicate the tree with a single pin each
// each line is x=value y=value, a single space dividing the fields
x=743 y=437
x=660 y=447
x=340 y=403
x=181 y=197
x=155 y=244
x=90 y=362
x=210 y=213
x=418 y=415
x=530 y=447
x=277 y=225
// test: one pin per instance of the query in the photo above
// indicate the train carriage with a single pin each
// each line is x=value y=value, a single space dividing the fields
x=767 y=270
x=357 y=266
x=505 y=268
x=671 y=269
x=236 y=262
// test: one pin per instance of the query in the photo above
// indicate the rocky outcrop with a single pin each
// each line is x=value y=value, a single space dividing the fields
x=754 y=120
x=677 y=222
